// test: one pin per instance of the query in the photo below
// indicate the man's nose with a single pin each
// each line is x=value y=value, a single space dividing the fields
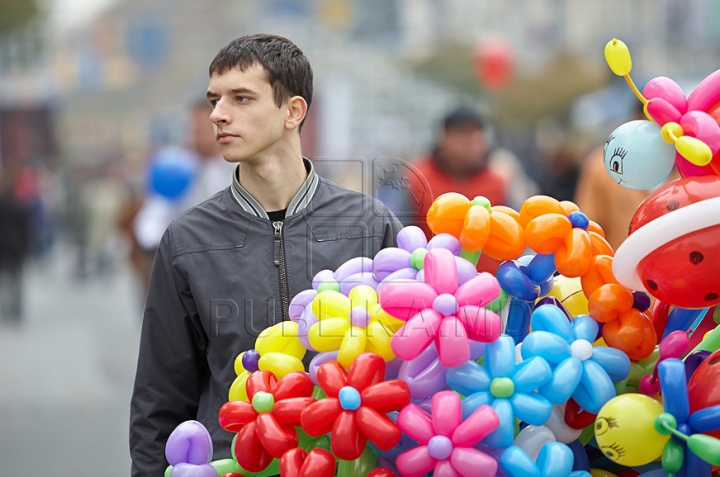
x=219 y=113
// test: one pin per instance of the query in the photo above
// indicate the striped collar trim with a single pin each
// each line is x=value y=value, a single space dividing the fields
x=299 y=202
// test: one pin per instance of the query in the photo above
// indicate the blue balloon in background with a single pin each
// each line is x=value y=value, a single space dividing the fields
x=637 y=157
x=172 y=171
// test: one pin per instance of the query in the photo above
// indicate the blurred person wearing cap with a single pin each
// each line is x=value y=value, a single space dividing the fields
x=465 y=160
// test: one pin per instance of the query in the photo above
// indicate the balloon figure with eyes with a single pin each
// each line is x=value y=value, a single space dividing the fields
x=681 y=131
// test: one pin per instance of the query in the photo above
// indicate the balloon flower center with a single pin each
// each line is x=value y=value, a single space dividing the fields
x=502 y=387
x=359 y=317
x=445 y=304
x=440 y=447
x=263 y=402
x=579 y=220
x=581 y=349
x=417 y=258
x=328 y=285
x=349 y=398
x=251 y=360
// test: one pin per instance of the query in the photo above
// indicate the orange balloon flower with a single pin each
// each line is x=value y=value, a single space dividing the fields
x=477 y=225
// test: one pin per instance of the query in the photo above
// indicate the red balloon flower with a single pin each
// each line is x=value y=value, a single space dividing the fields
x=356 y=406
x=299 y=463
x=265 y=425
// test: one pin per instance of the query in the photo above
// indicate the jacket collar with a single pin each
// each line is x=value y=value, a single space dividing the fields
x=299 y=202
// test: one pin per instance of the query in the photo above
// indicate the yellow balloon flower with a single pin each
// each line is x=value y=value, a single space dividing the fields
x=277 y=350
x=618 y=57
x=352 y=325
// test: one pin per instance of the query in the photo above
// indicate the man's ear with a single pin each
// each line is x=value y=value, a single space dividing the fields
x=297 y=109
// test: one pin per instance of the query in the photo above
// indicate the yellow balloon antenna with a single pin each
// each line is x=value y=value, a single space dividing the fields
x=618 y=58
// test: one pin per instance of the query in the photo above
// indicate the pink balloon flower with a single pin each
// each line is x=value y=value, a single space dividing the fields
x=440 y=310
x=446 y=441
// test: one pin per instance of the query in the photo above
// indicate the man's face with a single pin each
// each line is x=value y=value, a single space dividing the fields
x=248 y=124
x=463 y=147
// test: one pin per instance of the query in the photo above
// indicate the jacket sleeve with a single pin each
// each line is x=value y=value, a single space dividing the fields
x=168 y=378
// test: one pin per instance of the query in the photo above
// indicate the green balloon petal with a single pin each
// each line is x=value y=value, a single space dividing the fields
x=471 y=257
x=359 y=467
x=672 y=457
x=498 y=303
x=705 y=447
x=168 y=470
x=318 y=393
x=271 y=470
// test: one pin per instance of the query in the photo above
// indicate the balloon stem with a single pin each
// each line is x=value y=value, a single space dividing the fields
x=635 y=90
x=675 y=432
x=471 y=257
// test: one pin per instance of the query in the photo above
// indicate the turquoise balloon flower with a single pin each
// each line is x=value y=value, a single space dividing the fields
x=507 y=387
x=580 y=370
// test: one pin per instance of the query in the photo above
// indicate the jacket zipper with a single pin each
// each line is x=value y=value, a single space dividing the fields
x=280 y=262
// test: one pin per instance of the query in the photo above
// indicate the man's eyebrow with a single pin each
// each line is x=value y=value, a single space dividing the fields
x=242 y=91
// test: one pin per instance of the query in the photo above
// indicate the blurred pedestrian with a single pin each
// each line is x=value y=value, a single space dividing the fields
x=463 y=160
x=603 y=200
x=14 y=247
x=144 y=218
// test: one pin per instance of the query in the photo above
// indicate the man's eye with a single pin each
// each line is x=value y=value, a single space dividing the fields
x=213 y=102
x=243 y=99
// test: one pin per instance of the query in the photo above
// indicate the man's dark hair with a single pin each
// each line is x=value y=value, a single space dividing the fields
x=288 y=70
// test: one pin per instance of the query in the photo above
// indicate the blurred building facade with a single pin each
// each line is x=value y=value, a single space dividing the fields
x=117 y=84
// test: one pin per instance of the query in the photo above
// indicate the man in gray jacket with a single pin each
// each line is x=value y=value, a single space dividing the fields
x=228 y=268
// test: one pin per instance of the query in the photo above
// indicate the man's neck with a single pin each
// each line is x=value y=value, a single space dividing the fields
x=273 y=181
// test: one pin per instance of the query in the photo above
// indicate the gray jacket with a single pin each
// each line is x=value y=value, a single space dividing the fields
x=223 y=272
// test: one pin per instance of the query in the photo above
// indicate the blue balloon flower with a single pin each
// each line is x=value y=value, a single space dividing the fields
x=507 y=387
x=580 y=370
x=673 y=384
x=555 y=460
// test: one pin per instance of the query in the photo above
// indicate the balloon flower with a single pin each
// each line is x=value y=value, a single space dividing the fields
x=559 y=228
x=478 y=226
x=555 y=460
x=300 y=463
x=525 y=280
x=690 y=124
x=426 y=375
x=354 y=272
x=580 y=370
x=352 y=325
x=678 y=455
x=189 y=450
x=356 y=406
x=446 y=440
x=440 y=310
x=277 y=350
x=265 y=425
x=509 y=389
x=407 y=259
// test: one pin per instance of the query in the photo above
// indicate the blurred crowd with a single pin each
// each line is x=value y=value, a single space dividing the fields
x=112 y=215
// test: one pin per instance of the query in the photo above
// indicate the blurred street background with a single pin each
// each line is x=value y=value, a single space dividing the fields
x=93 y=91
